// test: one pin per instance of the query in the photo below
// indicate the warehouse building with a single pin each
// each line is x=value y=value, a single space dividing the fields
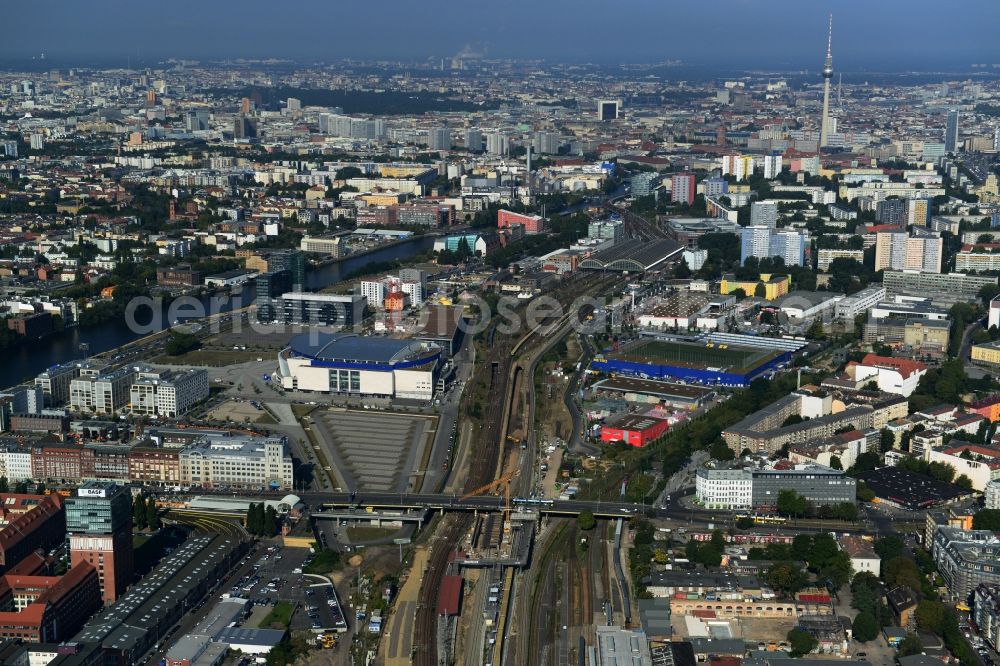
x=353 y=365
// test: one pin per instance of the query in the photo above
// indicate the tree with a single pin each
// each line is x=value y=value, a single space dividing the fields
x=801 y=642
x=790 y=503
x=744 y=523
x=801 y=545
x=139 y=512
x=785 y=577
x=181 y=343
x=909 y=646
x=3 y=484
x=901 y=570
x=930 y=616
x=152 y=516
x=986 y=519
x=39 y=488
x=835 y=463
x=270 y=527
x=251 y=519
x=865 y=627
x=816 y=331
x=866 y=462
x=889 y=547
x=964 y=482
x=585 y=520
x=21 y=488
x=721 y=451
x=888 y=440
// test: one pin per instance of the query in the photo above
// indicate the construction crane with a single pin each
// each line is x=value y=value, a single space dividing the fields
x=504 y=482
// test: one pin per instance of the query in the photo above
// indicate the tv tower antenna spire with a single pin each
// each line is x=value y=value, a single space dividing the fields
x=824 y=131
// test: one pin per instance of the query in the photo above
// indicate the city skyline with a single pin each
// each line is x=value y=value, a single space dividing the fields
x=780 y=34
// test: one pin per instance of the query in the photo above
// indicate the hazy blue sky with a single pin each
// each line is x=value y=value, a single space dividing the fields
x=870 y=34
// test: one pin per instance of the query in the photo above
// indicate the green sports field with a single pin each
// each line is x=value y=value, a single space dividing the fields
x=694 y=355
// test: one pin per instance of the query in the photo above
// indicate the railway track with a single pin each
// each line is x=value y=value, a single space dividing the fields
x=503 y=398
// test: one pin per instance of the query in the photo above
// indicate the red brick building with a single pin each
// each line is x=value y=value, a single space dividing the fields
x=42 y=526
x=533 y=224
x=48 y=609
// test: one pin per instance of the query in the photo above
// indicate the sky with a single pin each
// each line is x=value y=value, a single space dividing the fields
x=874 y=35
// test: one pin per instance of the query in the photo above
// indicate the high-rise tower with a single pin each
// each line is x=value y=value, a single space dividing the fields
x=824 y=131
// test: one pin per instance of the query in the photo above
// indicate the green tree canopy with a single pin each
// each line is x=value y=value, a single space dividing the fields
x=865 y=627
x=801 y=642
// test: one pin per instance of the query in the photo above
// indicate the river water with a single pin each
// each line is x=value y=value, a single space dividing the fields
x=25 y=361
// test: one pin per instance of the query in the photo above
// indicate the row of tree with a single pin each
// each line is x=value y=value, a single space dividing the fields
x=261 y=520
x=144 y=513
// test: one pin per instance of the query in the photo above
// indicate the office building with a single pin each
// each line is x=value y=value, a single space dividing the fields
x=918 y=212
x=979 y=258
x=55 y=383
x=340 y=310
x=764 y=242
x=897 y=250
x=497 y=143
x=764 y=214
x=682 y=188
x=772 y=165
x=613 y=230
x=292 y=261
x=196 y=120
x=739 y=167
x=966 y=559
x=644 y=184
x=245 y=127
x=851 y=306
x=891 y=211
x=608 y=109
x=546 y=143
x=268 y=287
x=428 y=215
x=986 y=613
x=240 y=461
x=826 y=256
x=48 y=609
x=100 y=391
x=738 y=489
x=943 y=289
x=533 y=224
x=167 y=393
x=951 y=132
x=474 y=141
x=99 y=525
x=349 y=364
x=32 y=522
x=714 y=187
x=439 y=138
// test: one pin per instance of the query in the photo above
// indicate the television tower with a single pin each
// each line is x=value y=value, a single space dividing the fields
x=824 y=130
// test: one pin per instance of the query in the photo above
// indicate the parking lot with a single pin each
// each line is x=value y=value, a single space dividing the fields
x=277 y=576
x=373 y=451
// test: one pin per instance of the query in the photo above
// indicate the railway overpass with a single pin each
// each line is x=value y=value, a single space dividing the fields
x=440 y=502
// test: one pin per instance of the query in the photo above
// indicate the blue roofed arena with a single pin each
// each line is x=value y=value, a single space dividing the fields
x=360 y=365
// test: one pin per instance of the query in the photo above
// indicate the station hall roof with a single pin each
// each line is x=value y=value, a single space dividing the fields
x=634 y=255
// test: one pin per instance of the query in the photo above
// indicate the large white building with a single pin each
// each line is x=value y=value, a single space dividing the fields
x=101 y=392
x=16 y=464
x=237 y=461
x=168 y=393
x=730 y=489
x=355 y=365
x=892 y=375
x=851 y=306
